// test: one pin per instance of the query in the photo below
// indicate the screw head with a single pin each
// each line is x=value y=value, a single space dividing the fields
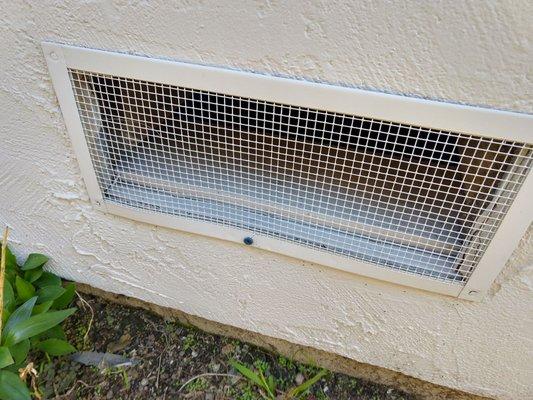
x=248 y=240
x=53 y=56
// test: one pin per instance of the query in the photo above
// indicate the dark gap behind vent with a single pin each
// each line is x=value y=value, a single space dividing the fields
x=293 y=123
x=161 y=114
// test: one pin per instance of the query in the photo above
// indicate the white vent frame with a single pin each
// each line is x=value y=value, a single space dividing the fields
x=408 y=110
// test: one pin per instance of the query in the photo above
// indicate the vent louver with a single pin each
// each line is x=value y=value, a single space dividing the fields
x=398 y=197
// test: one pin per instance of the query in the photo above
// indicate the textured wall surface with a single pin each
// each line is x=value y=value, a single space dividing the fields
x=468 y=52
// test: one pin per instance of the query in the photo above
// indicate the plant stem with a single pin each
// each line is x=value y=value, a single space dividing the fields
x=2 y=277
x=265 y=384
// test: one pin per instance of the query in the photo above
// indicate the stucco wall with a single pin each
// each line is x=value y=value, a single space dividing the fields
x=468 y=52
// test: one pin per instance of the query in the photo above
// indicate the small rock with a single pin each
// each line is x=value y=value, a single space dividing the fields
x=119 y=345
x=299 y=378
x=144 y=382
x=227 y=349
x=215 y=367
x=194 y=354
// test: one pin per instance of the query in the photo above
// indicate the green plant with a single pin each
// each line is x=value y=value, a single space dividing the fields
x=33 y=303
x=267 y=383
x=198 y=385
x=189 y=341
x=109 y=372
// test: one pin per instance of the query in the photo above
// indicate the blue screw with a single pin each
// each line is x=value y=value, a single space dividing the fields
x=248 y=240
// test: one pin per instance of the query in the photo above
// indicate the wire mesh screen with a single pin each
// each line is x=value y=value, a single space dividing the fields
x=412 y=199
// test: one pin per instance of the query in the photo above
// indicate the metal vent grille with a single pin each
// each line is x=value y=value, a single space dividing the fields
x=412 y=199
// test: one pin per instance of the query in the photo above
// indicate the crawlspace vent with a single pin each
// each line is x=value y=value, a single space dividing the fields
x=407 y=198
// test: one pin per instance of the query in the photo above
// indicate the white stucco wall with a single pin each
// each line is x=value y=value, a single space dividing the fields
x=472 y=52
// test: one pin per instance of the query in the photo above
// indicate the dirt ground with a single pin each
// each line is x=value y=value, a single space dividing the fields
x=169 y=355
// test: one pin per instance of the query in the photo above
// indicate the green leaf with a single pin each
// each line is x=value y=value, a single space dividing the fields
x=66 y=298
x=11 y=275
x=56 y=347
x=49 y=293
x=25 y=290
x=246 y=372
x=48 y=279
x=12 y=387
x=42 y=308
x=33 y=274
x=34 y=260
x=53 y=333
x=12 y=269
x=11 y=260
x=5 y=357
x=22 y=313
x=266 y=385
x=271 y=384
x=35 y=325
x=5 y=316
x=9 y=296
x=301 y=389
x=20 y=351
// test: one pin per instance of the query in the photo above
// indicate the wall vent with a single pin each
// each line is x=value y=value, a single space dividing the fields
x=425 y=194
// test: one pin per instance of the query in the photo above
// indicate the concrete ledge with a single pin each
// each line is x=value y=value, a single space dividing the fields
x=333 y=362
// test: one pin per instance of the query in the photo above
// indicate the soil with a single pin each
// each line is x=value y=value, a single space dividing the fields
x=169 y=355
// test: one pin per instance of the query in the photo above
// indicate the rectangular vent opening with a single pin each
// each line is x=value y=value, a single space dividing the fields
x=402 y=197
x=421 y=193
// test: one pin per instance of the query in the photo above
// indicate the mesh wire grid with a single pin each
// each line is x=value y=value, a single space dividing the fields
x=417 y=200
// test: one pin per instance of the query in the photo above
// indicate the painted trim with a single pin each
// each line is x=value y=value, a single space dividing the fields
x=507 y=237
x=57 y=65
x=286 y=248
x=401 y=109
